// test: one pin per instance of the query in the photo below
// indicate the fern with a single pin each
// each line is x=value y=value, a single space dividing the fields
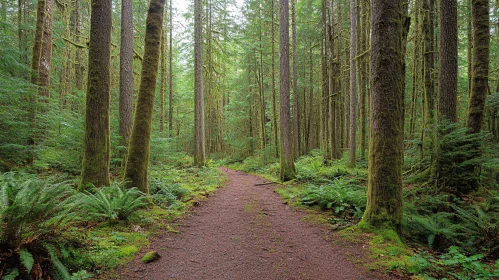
x=438 y=227
x=32 y=212
x=113 y=203
x=12 y=274
x=26 y=259
x=60 y=271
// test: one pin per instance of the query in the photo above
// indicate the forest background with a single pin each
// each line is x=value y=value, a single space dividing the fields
x=451 y=197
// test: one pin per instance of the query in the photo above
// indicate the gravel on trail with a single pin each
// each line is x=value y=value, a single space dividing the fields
x=246 y=231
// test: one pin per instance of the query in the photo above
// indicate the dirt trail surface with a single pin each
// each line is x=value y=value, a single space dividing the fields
x=245 y=231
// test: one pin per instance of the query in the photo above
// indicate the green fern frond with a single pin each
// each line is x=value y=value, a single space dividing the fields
x=26 y=259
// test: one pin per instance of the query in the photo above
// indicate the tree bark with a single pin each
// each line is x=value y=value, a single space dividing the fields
x=97 y=135
x=38 y=42
x=481 y=59
x=170 y=80
x=448 y=60
x=296 y=98
x=274 y=102
x=126 y=72
x=353 y=82
x=46 y=53
x=139 y=149
x=287 y=161
x=384 y=202
x=199 y=134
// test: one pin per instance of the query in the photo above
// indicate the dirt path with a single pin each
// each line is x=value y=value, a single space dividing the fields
x=247 y=232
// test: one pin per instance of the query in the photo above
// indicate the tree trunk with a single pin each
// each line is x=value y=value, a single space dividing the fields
x=199 y=134
x=162 y=58
x=38 y=42
x=126 y=72
x=77 y=31
x=287 y=161
x=481 y=49
x=97 y=135
x=384 y=202
x=170 y=98
x=353 y=81
x=274 y=102
x=448 y=60
x=138 y=152
x=325 y=86
x=46 y=52
x=296 y=108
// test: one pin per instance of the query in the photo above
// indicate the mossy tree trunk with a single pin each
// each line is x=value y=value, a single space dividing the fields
x=170 y=80
x=287 y=171
x=296 y=97
x=97 y=135
x=353 y=82
x=384 y=202
x=199 y=134
x=46 y=53
x=324 y=128
x=139 y=148
x=274 y=94
x=480 y=68
x=448 y=60
x=38 y=42
x=126 y=72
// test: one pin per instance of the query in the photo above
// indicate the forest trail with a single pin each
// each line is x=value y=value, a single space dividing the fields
x=245 y=231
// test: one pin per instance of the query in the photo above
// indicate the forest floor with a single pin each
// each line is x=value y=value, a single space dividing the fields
x=246 y=231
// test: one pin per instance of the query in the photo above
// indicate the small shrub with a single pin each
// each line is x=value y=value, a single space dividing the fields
x=167 y=194
x=114 y=203
x=342 y=197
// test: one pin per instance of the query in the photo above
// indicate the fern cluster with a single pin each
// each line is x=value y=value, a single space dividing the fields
x=33 y=213
x=113 y=203
x=166 y=194
x=343 y=197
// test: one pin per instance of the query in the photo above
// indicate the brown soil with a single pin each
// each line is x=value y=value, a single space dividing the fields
x=245 y=231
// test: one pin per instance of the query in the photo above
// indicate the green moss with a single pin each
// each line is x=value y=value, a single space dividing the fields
x=150 y=257
x=128 y=251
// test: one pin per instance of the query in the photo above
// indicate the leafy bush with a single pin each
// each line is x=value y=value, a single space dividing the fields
x=438 y=230
x=113 y=203
x=33 y=214
x=167 y=194
x=343 y=197
x=452 y=265
x=481 y=226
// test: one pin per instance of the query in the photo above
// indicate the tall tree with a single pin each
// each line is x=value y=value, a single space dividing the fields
x=287 y=161
x=139 y=149
x=46 y=52
x=353 y=81
x=481 y=59
x=274 y=101
x=38 y=42
x=199 y=134
x=296 y=108
x=97 y=135
x=126 y=71
x=448 y=60
x=170 y=80
x=388 y=38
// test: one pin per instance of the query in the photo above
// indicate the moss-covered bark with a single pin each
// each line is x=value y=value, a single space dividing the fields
x=38 y=41
x=287 y=161
x=139 y=148
x=481 y=58
x=95 y=168
x=384 y=203
x=46 y=52
x=126 y=71
x=199 y=133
